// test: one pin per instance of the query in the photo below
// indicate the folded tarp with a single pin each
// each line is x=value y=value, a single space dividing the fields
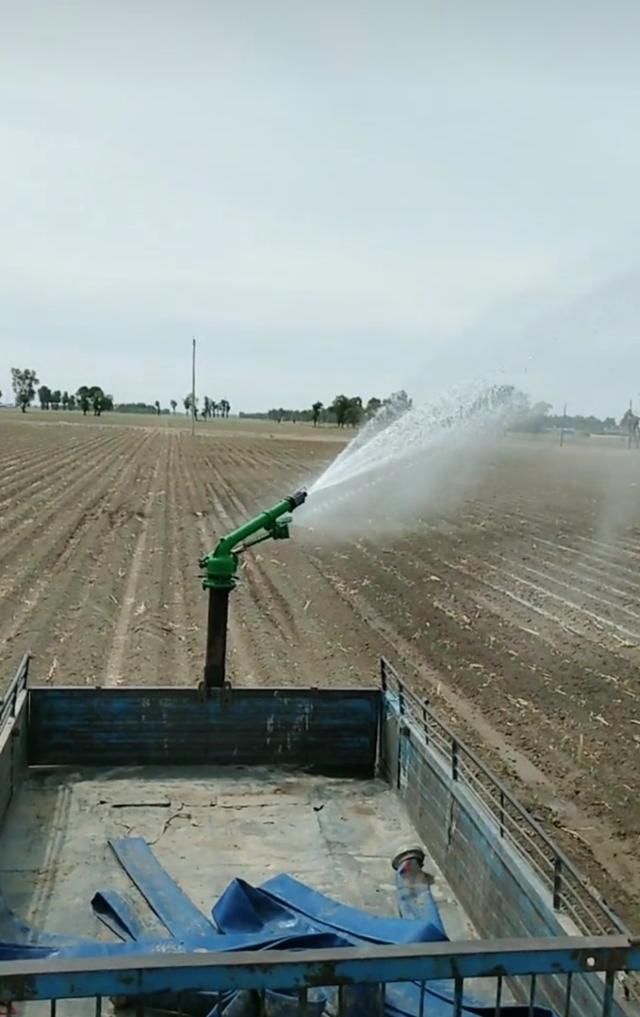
x=300 y=912
x=243 y=907
x=282 y=905
x=285 y=907
x=225 y=944
x=353 y=922
x=111 y=908
x=16 y=931
x=285 y=903
x=13 y=928
x=165 y=898
x=282 y=914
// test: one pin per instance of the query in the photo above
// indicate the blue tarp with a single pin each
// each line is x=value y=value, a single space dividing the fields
x=118 y=915
x=283 y=913
x=292 y=893
x=165 y=898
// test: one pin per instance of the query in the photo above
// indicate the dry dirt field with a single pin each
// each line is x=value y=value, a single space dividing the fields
x=517 y=613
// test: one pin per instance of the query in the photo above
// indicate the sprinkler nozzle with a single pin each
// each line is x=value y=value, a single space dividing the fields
x=297 y=499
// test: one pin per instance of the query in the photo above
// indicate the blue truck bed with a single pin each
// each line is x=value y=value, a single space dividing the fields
x=207 y=826
x=325 y=785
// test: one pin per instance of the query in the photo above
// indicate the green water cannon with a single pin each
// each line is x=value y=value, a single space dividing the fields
x=220 y=571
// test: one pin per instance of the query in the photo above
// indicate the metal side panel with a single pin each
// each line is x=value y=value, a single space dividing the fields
x=495 y=884
x=329 y=730
x=501 y=888
x=13 y=756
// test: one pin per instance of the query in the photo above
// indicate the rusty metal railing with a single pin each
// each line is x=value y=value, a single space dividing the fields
x=570 y=891
x=341 y=982
x=9 y=701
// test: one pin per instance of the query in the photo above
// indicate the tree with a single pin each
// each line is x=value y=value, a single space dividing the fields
x=44 y=397
x=537 y=418
x=347 y=410
x=24 y=381
x=174 y=405
x=56 y=397
x=354 y=411
x=541 y=408
x=92 y=398
x=373 y=405
x=71 y=403
x=137 y=408
x=630 y=423
x=97 y=400
x=224 y=408
x=340 y=407
x=316 y=410
x=84 y=399
x=157 y=406
x=399 y=402
x=187 y=405
x=65 y=400
x=508 y=397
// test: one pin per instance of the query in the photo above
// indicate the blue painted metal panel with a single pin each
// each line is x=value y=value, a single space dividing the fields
x=330 y=731
x=58 y=979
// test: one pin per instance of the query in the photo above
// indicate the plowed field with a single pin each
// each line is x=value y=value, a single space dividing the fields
x=518 y=613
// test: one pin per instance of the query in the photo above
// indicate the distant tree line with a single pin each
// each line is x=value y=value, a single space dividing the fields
x=88 y=399
x=343 y=411
x=540 y=421
x=154 y=408
x=521 y=414
x=534 y=418
x=210 y=408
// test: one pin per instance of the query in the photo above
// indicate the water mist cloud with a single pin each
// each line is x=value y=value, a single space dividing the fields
x=400 y=468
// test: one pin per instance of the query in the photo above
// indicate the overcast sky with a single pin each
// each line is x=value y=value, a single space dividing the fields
x=332 y=196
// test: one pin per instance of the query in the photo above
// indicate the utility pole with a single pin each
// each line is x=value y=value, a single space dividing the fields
x=193 y=388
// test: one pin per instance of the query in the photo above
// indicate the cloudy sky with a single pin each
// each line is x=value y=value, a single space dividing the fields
x=332 y=196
